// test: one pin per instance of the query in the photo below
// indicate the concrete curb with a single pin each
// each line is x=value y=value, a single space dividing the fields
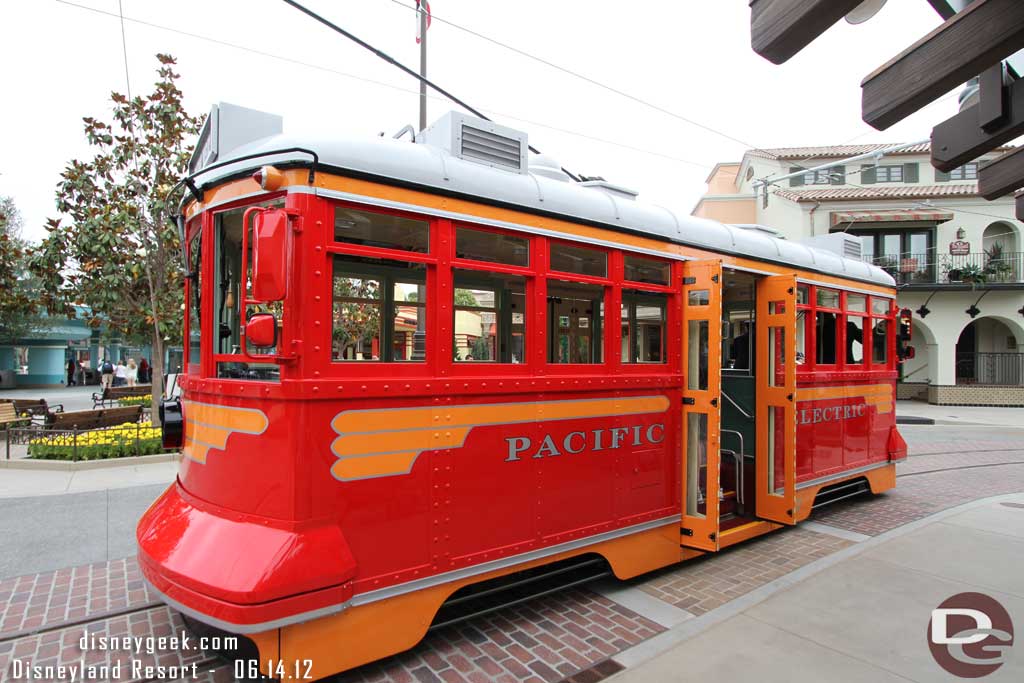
x=77 y=466
x=666 y=640
x=914 y=420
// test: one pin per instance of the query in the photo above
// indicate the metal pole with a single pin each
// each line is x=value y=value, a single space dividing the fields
x=419 y=337
x=423 y=64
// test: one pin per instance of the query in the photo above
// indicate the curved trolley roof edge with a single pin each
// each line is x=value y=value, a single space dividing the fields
x=539 y=190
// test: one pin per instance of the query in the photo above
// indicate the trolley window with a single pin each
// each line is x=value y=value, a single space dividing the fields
x=195 y=284
x=491 y=247
x=826 y=326
x=579 y=260
x=387 y=231
x=643 y=327
x=575 y=322
x=649 y=270
x=490 y=317
x=229 y=285
x=854 y=340
x=379 y=310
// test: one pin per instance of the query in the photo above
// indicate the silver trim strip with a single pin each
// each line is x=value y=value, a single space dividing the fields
x=416 y=208
x=846 y=288
x=840 y=475
x=247 y=628
x=419 y=584
x=471 y=218
x=455 y=575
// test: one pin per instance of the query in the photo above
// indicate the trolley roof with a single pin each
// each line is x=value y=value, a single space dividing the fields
x=536 y=187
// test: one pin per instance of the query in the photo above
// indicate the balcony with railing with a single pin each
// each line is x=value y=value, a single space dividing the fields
x=978 y=268
x=1006 y=369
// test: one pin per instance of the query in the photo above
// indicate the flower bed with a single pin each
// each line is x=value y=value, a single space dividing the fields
x=122 y=441
x=135 y=400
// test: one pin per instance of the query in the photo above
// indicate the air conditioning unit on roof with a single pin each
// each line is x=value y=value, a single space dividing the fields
x=479 y=141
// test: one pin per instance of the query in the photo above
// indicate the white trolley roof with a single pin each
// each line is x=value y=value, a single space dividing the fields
x=538 y=188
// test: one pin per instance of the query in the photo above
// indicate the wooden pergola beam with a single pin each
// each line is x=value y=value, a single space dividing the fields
x=781 y=28
x=961 y=139
x=1002 y=175
x=961 y=48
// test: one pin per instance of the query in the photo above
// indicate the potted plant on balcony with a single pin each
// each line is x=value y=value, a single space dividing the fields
x=996 y=265
x=972 y=273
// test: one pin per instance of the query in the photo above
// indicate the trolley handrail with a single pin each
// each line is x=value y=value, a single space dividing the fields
x=737 y=406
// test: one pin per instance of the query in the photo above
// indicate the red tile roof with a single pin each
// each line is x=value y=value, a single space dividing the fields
x=841 y=151
x=841 y=194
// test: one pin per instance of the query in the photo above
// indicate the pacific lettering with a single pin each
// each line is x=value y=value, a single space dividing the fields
x=578 y=442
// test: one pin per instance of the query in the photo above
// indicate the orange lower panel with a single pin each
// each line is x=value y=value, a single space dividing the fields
x=370 y=632
x=880 y=479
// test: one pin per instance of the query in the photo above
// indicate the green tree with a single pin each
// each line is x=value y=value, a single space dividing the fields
x=116 y=249
x=19 y=312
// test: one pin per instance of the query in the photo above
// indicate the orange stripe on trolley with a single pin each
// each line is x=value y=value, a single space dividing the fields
x=210 y=426
x=386 y=442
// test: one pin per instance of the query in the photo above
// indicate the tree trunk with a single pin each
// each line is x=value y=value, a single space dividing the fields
x=157 y=369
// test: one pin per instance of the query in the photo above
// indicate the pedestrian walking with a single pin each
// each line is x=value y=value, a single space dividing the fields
x=107 y=373
x=120 y=374
x=72 y=368
x=131 y=373
x=144 y=371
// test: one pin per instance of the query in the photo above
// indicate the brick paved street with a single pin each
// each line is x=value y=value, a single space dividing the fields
x=710 y=581
x=570 y=636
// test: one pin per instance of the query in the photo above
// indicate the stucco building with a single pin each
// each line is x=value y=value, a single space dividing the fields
x=957 y=258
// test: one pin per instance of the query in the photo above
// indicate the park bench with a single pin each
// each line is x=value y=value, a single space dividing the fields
x=38 y=408
x=9 y=415
x=94 y=419
x=109 y=396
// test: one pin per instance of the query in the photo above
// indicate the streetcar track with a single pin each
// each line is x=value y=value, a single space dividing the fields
x=49 y=628
x=990 y=450
x=961 y=467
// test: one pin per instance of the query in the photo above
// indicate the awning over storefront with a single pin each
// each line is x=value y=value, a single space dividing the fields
x=890 y=216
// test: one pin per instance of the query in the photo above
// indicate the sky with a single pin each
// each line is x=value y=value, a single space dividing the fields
x=712 y=96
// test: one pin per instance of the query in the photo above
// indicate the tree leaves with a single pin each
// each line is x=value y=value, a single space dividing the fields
x=116 y=202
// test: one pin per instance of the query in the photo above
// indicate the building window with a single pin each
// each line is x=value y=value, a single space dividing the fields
x=826 y=176
x=889 y=174
x=907 y=254
x=965 y=172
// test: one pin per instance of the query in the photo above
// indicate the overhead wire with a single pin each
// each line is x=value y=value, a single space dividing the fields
x=391 y=86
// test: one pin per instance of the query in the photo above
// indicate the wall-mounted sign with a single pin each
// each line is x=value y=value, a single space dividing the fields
x=960 y=248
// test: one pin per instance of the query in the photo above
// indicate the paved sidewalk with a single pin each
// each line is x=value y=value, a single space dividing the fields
x=41 y=534
x=963 y=415
x=860 y=614
x=17 y=483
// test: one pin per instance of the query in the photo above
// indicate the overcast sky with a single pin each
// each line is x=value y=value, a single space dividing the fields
x=688 y=57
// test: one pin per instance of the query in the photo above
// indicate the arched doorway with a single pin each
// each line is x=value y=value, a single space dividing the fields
x=1002 y=252
x=989 y=352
